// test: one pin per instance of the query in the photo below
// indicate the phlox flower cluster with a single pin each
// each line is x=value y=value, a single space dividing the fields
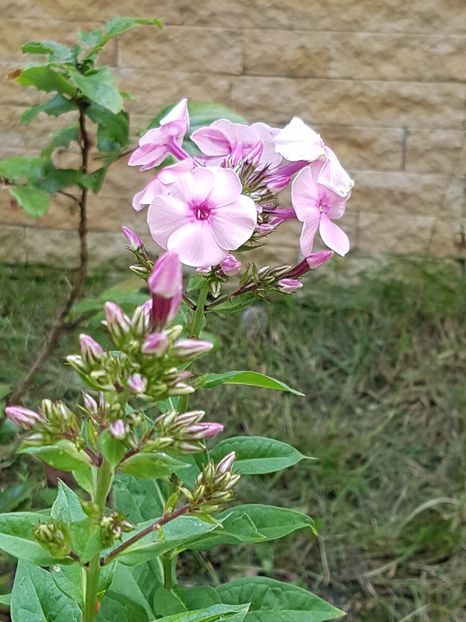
x=226 y=196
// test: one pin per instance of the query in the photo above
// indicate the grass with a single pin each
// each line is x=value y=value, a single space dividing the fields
x=381 y=357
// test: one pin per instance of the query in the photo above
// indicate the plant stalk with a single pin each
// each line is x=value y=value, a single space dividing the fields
x=104 y=483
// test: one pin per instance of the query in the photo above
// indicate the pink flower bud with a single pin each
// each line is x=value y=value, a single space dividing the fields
x=137 y=383
x=134 y=241
x=166 y=286
x=155 y=344
x=91 y=351
x=204 y=271
x=188 y=418
x=140 y=321
x=118 y=429
x=288 y=286
x=188 y=348
x=311 y=262
x=118 y=323
x=226 y=463
x=230 y=265
x=200 y=431
x=23 y=416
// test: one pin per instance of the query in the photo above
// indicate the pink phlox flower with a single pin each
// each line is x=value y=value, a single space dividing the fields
x=316 y=206
x=204 y=216
x=159 y=142
x=161 y=183
x=334 y=177
x=238 y=142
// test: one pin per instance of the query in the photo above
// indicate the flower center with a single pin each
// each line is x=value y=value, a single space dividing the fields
x=201 y=210
x=323 y=205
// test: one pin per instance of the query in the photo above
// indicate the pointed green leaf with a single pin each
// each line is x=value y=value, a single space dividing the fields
x=55 y=106
x=57 y=52
x=34 y=201
x=138 y=500
x=100 y=88
x=62 y=456
x=248 y=378
x=5 y=600
x=70 y=580
x=17 y=540
x=36 y=598
x=277 y=601
x=151 y=466
x=46 y=79
x=256 y=455
x=215 y=613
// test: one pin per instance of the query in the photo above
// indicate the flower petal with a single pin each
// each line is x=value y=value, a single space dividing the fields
x=334 y=237
x=164 y=216
x=195 y=245
x=226 y=186
x=305 y=192
x=333 y=176
x=308 y=232
x=297 y=141
x=211 y=141
x=233 y=224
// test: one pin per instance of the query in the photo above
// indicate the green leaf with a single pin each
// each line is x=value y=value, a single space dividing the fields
x=70 y=580
x=256 y=455
x=249 y=378
x=99 y=87
x=138 y=500
x=236 y=304
x=20 y=169
x=112 y=129
x=255 y=523
x=5 y=600
x=33 y=200
x=124 y=601
x=62 y=456
x=151 y=466
x=36 y=598
x=112 y=449
x=46 y=79
x=54 y=107
x=98 y=37
x=57 y=52
x=94 y=180
x=84 y=531
x=61 y=138
x=177 y=534
x=16 y=537
x=84 y=477
x=215 y=613
x=277 y=601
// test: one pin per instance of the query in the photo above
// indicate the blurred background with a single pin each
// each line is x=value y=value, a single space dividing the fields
x=376 y=341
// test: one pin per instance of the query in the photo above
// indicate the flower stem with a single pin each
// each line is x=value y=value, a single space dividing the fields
x=104 y=482
x=167 y=564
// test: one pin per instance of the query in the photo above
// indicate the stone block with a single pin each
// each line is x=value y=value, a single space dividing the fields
x=335 y=15
x=365 y=148
x=12 y=243
x=397 y=233
x=388 y=193
x=52 y=246
x=448 y=238
x=436 y=151
x=100 y=11
x=349 y=102
x=153 y=90
x=209 y=50
x=357 y=56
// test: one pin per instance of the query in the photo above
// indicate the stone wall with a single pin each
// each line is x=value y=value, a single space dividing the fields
x=383 y=81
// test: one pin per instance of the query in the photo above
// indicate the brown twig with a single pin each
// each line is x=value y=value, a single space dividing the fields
x=166 y=518
x=59 y=323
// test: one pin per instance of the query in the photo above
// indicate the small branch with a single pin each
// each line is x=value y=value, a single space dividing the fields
x=59 y=323
x=242 y=290
x=144 y=532
x=69 y=195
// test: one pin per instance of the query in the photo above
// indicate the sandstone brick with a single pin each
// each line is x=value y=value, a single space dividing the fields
x=401 y=233
x=358 y=56
x=62 y=214
x=374 y=103
x=12 y=243
x=51 y=246
x=15 y=32
x=210 y=50
x=153 y=90
x=387 y=193
x=448 y=238
x=419 y=16
x=93 y=11
x=365 y=148
x=435 y=151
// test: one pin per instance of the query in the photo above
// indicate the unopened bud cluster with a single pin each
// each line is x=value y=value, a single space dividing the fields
x=54 y=420
x=112 y=527
x=214 y=486
x=53 y=537
x=183 y=432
